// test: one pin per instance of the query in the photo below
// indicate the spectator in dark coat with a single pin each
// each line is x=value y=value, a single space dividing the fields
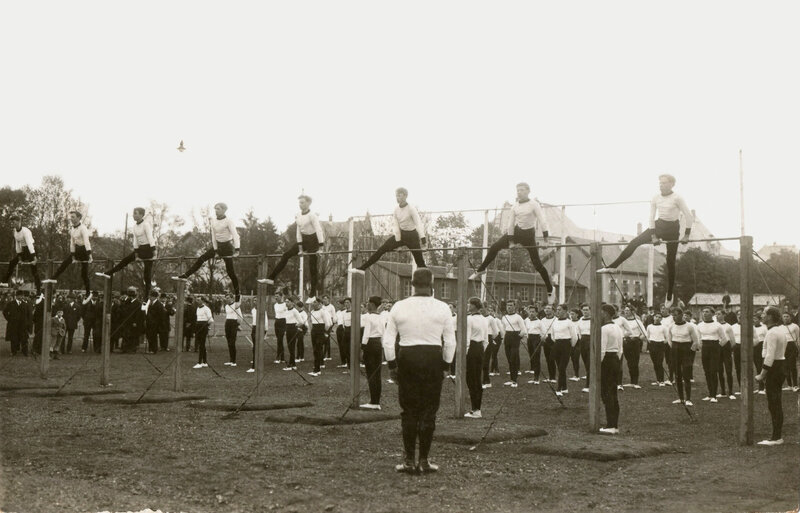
x=154 y=320
x=17 y=315
x=72 y=314
x=163 y=332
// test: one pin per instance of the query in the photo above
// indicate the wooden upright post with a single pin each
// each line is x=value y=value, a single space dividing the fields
x=562 y=264
x=45 y=349
x=105 y=372
x=746 y=409
x=596 y=295
x=651 y=258
x=350 y=240
x=355 y=338
x=261 y=315
x=177 y=381
x=485 y=251
x=462 y=344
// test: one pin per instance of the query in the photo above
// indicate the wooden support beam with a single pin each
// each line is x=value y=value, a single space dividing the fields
x=177 y=378
x=105 y=372
x=45 y=349
x=261 y=317
x=747 y=395
x=596 y=298
x=462 y=344
x=355 y=338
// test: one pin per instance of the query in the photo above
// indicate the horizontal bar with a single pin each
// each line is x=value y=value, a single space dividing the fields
x=544 y=205
x=406 y=250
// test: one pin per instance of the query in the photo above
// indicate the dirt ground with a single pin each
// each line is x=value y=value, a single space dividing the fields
x=65 y=454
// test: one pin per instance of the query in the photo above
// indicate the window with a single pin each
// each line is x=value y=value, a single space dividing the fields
x=406 y=287
x=637 y=288
x=539 y=294
x=445 y=289
x=625 y=286
x=525 y=294
x=569 y=259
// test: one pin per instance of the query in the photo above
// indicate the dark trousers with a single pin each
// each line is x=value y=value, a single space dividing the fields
x=224 y=250
x=163 y=339
x=575 y=357
x=291 y=343
x=657 y=357
x=665 y=230
x=231 y=330
x=710 y=356
x=534 y=350
x=318 y=345
x=790 y=356
x=610 y=368
x=474 y=366
x=487 y=358
x=548 y=345
x=632 y=350
x=24 y=256
x=511 y=344
x=310 y=247
x=152 y=341
x=280 y=331
x=668 y=358
x=493 y=367
x=300 y=347
x=201 y=334
x=82 y=256
x=344 y=346
x=419 y=376
x=525 y=238
x=725 y=369
x=145 y=253
x=97 y=338
x=562 y=349
x=774 y=382
x=758 y=361
x=188 y=333
x=737 y=363
x=69 y=339
x=326 y=346
x=19 y=344
x=585 y=345
x=373 y=356
x=408 y=238
x=682 y=360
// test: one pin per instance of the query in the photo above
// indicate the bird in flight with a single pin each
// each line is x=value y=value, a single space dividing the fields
x=181 y=148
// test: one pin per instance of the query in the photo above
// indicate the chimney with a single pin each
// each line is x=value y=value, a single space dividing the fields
x=638 y=228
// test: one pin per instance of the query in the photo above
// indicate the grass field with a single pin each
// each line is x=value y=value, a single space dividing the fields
x=65 y=454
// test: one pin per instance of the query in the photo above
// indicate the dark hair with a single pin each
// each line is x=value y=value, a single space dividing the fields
x=305 y=197
x=402 y=189
x=423 y=277
x=14 y=217
x=772 y=313
x=609 y=309
x=476 y=302
x=77 y=214
x=154 y=293
x=139 y=210
x=375 y=301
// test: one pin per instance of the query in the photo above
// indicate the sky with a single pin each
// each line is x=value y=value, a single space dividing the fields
x=457 y=101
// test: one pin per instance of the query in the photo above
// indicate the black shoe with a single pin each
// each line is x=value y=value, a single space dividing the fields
x=427 y=467
x=406 y=467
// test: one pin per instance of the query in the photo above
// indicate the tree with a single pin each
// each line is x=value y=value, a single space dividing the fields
x=50 y=204
x=12 y=201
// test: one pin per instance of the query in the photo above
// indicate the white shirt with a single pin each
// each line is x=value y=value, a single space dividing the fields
x=729 y=335
x=347 y=318
x=656 y=333
x=280 y=310
x=143 y=234
x=759 y=333
x=407 y=219
x=420 y=320
x=321 y=316
x=513 y=322
x=622 y=322
x=737 y=333
x=308 y=224
x=79 y=236
x=667 y=322
x=293 y=316
x=610 y=339
x=792 y=332
x=23 y=238
x=224 y=230
x=254 y=316
x=669 y=208
x=233 y=312
x=774 y=345
x=373 y=327
x=584 y=327
x=204 y=314
x=564 y=329
x=533 y=326
x=525 y=216
x=636 y=327
x=303 y=316
x=478 y=329
x=686 y=332
x=547 y=327
x=710 y=331
x=331 y=311
x=491 y=326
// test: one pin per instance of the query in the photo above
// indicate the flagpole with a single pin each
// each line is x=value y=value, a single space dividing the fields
x=741 y=190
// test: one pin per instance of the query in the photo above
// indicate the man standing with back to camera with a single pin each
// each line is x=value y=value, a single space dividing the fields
x=426 y=348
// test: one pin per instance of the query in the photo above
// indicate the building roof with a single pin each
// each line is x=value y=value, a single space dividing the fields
x=440 y=272
x=775 y=248
x=715 y=299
